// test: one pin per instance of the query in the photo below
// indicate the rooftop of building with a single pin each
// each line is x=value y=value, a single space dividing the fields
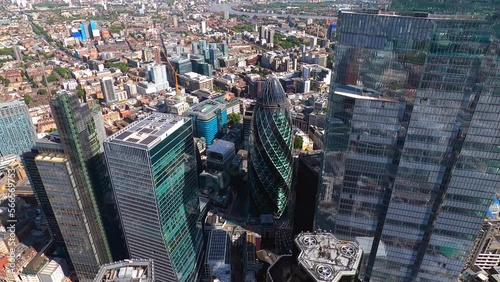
x=13 y=103
x=127 y=271
x=222 y=147
x=148 y=131
x=327 y=258
x=272 y=94
x=205 y=110
x=196 y=76
x=50 y=268
x=218 y=247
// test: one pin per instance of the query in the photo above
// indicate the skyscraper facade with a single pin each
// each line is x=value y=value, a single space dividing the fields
x=39 y=190
x=209 y=119
x=72 y=187
x=411 y=159
x=17 y=133
x=158 y=74
x=270 y=150
x=159 y=219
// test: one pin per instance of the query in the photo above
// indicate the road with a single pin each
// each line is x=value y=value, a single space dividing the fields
x=228 y=7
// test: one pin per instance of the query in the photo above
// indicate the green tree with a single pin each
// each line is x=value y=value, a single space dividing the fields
x=52 y=77
x=298 y=142
x=80 y=92
x=6 y=83
x=42 y=91
x=27 y=99
x=234 y=118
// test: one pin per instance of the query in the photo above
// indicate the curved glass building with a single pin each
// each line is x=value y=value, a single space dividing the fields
x=270 y=150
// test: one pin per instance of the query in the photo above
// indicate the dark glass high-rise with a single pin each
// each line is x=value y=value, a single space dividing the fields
x=411 y=156
x=270 y=150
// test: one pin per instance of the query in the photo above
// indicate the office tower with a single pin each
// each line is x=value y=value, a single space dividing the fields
x=270 y=37
x=147 y=55
x=182 y=64
x=226 y=15
x=160 y=219
x=214 y=54
x=411 y=161
x=270 y=150
x=84 y=31
x=203 y=45
x=75 y=183
x=262 y=33
x=203 y=25
x=108 y=89
x=158 y=74
x=131 y=89
x=331 y=31
x=28 y=158
x=209 y=119
x=157 y=55
x=224 y=48
x=94 y=29
x=195 y=49
x=175 y=21
x=17 y=133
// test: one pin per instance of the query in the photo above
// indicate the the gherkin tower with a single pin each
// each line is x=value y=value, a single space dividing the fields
x=270 y=154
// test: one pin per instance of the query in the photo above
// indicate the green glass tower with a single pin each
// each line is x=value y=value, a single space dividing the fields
x=152 y=167
x=270 y=150
x=70 y=185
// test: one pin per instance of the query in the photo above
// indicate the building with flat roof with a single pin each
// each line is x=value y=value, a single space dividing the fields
x=108 y=89
x=320 y=257
x=327 y=258
x=194 y=81
x=218 y=257
x=210 y=118
x=160 y=219
x=129 y=270
x=220 y=154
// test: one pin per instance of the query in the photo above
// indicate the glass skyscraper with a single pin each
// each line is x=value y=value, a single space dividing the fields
x=270 y=150
x=17 y=133
x=41 y=195
x=152 y=167
x=69 y=175
x=411 y=156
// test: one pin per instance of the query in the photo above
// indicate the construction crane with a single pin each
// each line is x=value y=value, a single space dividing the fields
x=175 y=74
x=174 y=71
